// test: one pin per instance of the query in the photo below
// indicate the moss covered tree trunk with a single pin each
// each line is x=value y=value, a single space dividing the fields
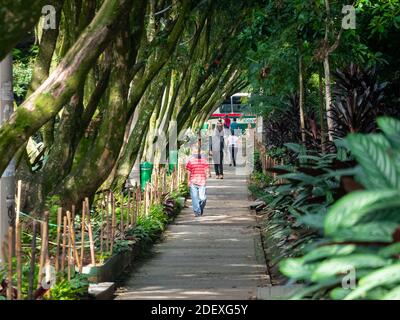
x=129 y=155
x=63 y=82
x=17 y=18
x=88 y=174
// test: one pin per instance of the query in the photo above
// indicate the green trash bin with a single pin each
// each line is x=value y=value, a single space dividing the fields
x=173 y=160
x=146 y=169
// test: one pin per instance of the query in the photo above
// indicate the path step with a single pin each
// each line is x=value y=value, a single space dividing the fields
x=102 y=291
x=277 y=292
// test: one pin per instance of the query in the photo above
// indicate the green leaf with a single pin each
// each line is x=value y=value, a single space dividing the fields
x=341 y=265
x=315 y=221
x=391 y=128
x=350 y=209
x=385 y=276
x=371 y=152
x=339 y=293
x=390 y=251
x=379 y=231
x=306 y=157
x=394 y=294
x=296 y=269
x=298 y=176
x=314 y=288
x=295 y=147
x=328 y=251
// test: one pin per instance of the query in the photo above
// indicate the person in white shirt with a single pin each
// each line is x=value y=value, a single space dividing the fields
x=233 y=147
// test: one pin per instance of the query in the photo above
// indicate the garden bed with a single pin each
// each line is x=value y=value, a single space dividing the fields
x=115 y=266
x=79 y=253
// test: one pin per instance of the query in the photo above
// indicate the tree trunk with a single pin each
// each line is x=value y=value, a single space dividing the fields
x=128 y=157
x=17 y=18
x=52 y=95
x=301 y=100
x=321 y=112
x=328 y=97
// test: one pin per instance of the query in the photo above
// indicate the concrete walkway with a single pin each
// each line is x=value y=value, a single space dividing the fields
x=217 y=256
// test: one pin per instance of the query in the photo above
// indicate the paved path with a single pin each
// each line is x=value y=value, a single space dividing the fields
x=217 y=256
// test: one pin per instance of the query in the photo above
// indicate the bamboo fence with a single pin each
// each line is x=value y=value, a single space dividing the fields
x=70 y=243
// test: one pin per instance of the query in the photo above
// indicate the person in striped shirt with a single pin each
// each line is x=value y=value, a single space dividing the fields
x=198 y=168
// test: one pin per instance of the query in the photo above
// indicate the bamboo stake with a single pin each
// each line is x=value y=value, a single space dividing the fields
x=64 y=243
x=172 y=181
x=102 y=222
x=108 y=204
x=33 y=262
x=113 y=222
x=135 y=203
x=18 y=231
x=18 y=241
x=71 y=229
x=47 y=278
x=122 y=216
x=83 y=217
x=138 y=198
x=155 y=184
x=59 y=220
x=90 y=231
x=47 y=274
x=69 y=253
x=153 y=190
x=145 y=199
x=150 y=191
x=179 y=172
x=148 y=200
x=165 y=180
x=130 y=216
x=73 y=211
x=44 y=244
x=10 y=267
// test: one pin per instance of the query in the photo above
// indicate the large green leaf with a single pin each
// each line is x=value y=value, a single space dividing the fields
x=314 y=221
x=328 y=251
x=296 y=269
x=379 y=231
x=298 y=176
x=300 y=294
x=394 y=294
x=391 y=128
x=339 y=293
x=295 y=147
x=390 y=251
x=371 y=151
x=341 y=265
x=350 y=209
x=384 y=276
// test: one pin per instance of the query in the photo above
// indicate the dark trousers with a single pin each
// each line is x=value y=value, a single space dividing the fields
x=219 y=169
x=234 y=151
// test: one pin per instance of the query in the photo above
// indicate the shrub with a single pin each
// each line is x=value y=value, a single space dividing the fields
x=361 y=230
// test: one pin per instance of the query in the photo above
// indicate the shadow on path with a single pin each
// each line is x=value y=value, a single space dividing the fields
x=216 y=256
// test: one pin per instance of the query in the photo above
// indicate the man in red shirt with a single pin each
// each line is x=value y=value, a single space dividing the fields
x=227 y=122
x=197 y=166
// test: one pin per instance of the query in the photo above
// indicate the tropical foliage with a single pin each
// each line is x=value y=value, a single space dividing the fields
x=361 y=230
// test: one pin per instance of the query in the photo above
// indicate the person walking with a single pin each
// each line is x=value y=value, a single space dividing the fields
x=197 y=166
x=217 y=145
x=234 y=126
x=233 y=147
x=227 y=122
x=210 y=161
